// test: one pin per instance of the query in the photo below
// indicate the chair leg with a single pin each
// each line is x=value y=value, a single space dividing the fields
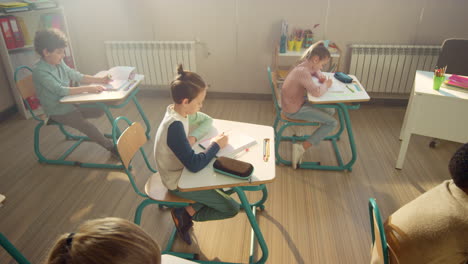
x=139 y=210
x=12 y=250
x=61 y=160
x=278 y=139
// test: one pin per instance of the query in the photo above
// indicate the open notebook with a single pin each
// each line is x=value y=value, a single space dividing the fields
x=122 y=77
x=237 y=142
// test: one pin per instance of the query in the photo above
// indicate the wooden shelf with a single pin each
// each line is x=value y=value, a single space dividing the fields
x=27 y=47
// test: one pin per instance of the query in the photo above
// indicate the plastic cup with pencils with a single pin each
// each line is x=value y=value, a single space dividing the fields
x=439 y=78
x=291 y=45
x=298 y=45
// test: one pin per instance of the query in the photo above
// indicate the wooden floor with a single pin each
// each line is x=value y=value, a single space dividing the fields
x=311 y=216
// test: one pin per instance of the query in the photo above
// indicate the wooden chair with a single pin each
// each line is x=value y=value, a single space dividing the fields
x=12 y=250
x=128 y=144
x=27 y=90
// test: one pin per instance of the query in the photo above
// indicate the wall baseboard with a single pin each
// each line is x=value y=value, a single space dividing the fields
x=7 y=113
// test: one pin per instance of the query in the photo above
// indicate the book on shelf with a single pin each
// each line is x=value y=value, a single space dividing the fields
x=24 y=30
x=41 y=4
x=121 y=76
x=7 y=32
x=17 y=34
x=10 y=7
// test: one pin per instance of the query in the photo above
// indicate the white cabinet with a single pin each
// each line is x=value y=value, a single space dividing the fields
x=29 y=22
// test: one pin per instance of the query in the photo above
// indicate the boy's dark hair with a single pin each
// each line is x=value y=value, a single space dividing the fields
x=458 y=167
x=186 y=85
x=50 y=39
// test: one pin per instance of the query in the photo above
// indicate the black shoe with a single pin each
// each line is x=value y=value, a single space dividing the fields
x=183 y=222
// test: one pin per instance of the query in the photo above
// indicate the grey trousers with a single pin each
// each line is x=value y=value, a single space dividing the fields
x=77 y=120
x=324 y=116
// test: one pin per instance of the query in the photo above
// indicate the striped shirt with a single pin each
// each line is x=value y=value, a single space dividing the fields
x=297 y=84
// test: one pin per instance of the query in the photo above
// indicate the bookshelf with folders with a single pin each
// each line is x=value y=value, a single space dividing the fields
x=16 y=44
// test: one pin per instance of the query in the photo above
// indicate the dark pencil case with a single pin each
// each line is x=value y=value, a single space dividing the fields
x=343 y=77
x=233 y=168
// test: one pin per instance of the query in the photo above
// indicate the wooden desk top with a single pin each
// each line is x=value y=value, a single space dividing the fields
x=334 y=95
x=105 y=96
x=264 y=172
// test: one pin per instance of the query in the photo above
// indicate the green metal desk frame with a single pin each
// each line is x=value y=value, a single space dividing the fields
x=250 y=210
x=343 y=115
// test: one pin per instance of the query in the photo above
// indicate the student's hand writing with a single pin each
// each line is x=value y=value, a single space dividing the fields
x=191 y=140
x=328 y=83
x=322 y=78
x=95 y=89
x=221 y=140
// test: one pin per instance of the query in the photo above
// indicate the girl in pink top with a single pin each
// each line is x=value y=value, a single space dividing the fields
x=295 y=106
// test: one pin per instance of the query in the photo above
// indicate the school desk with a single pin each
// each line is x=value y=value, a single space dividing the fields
x=338 y=97
x=439 y=114
x=264 y=172
x=111 y=99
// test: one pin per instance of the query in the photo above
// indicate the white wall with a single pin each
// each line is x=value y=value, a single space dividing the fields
x=240 y=34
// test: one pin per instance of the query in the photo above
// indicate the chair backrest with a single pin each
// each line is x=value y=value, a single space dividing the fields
x=379 y=241
x=130 y=141
x=25 y=85
x=454 y=55
x=274 y=89
x=8 y=246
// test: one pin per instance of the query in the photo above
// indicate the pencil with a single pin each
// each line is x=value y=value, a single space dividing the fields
x=347 y=86
x=268 y=149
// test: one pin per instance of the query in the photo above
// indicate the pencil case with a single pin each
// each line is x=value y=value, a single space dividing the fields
x=233 y=168
x=343 y=77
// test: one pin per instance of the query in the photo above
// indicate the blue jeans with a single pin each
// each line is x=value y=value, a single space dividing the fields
x=324 y=116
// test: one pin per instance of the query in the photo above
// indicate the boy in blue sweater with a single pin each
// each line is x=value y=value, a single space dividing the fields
x=173 y=151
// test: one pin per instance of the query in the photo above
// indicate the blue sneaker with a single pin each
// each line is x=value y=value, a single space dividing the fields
x=183 y=222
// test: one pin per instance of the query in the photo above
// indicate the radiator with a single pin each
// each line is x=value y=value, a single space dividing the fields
x=391 y=68
x=156 y=60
